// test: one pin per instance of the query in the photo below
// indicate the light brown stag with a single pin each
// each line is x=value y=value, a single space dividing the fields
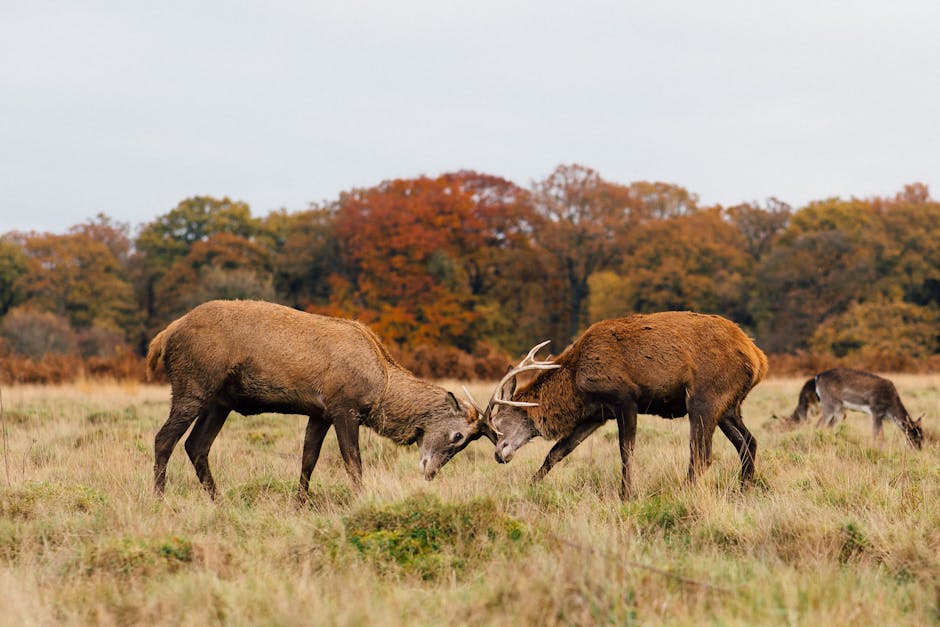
x=253 y=357
x=669 y=364
x=834 y=391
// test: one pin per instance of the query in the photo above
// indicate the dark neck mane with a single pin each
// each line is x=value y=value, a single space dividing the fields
x=560 y=407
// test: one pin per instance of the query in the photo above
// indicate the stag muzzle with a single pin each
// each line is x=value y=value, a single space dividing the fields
x=430 y=466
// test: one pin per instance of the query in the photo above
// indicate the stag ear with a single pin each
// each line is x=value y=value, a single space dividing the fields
x=453 y=400
x=509 y=387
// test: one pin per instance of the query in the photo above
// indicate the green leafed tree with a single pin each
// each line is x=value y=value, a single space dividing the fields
x=171 y=236
x=13 y=265
x=691 y=262
x=222 y=266
x=305 y=254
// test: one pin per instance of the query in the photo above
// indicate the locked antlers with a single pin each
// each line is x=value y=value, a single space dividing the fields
x=528 y=363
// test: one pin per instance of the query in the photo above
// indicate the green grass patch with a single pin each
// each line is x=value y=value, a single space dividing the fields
x=425 y=537
x=265 y=488
x=135 y=557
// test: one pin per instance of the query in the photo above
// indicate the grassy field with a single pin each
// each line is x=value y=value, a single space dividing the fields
x=838 y=529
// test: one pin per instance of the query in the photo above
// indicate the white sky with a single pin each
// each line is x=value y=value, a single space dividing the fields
x=129 y=107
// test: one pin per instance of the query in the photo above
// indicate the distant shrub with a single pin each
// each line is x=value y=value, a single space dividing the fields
x=49 y=369
x=124 y=365
x=448 y=362
x=36 y=334
x=101 y=341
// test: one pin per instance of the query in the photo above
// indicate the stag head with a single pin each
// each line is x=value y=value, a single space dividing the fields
x=915 y=432
x=449 y=434
x=505 y=421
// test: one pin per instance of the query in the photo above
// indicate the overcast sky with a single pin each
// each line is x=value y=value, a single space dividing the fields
x=126 y=108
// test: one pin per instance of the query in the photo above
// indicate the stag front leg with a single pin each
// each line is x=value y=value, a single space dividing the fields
x=626 y=427
x=317 y=427
x=702 y=423
x=564 y=446
x=200 y=441
x=877 y=422
x=347 y=433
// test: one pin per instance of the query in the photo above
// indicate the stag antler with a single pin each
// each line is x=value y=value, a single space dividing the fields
x=473 y=401
x=528 y=363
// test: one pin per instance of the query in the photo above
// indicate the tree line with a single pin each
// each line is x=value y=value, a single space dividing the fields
x=462 y=270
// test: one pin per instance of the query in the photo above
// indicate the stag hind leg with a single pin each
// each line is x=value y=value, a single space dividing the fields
x=183 y=411
x=317 y=426
x=732 y=425
x=831 y=411
x=199 y=442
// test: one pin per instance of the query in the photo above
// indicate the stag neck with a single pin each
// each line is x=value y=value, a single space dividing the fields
x=406 y=405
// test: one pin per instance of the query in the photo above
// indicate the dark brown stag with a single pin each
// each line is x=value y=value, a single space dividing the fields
x=669 y=364
x=253 y=357
x=834 y=391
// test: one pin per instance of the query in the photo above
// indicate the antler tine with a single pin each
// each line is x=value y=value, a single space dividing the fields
x=500 y=401
x=509 y=375
x=472 y=400
x=530 y=357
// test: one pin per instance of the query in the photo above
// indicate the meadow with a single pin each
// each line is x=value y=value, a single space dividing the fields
x=836 y=529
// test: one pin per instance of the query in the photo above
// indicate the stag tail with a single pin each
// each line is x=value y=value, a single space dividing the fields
x=762 y=367
x=808 y=398
x=155 y=353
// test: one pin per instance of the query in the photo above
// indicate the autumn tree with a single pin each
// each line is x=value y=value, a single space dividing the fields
x=113 y=234
x=882 y=334
x=837 y=252
x=77 y=277
x=403 y=242
x=656 y=200
x=582 y=223
x=690 y=262
x=909 y=232
x=760 y=226
x=506 y=271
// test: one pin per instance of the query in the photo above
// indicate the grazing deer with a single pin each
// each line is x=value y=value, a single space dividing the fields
x=840 y=389
x=669 y=364
x=254 y=357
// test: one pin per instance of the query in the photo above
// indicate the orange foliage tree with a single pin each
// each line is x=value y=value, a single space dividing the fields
x=404 y=242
